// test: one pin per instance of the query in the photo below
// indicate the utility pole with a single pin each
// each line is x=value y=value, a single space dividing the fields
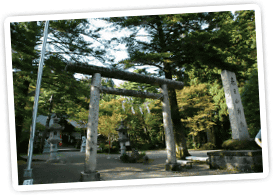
x=28 y=170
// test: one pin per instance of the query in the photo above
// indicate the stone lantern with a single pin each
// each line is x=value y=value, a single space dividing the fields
x=123 y=137
x=83 y=146
x=54 y=138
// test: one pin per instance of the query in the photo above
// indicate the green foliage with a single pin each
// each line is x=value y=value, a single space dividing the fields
x=232 y=144
x=24 y=39
x=144 y=128
x=105 y=149
x=250 y=100
x=126 y=159
x=108 y=124
x=208 y=146
x=192 y=48
x=134 y=159
x=76 y=40
x=196 y=108
x=65 y=37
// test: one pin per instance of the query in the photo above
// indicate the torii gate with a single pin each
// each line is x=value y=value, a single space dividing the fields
x=90 y=173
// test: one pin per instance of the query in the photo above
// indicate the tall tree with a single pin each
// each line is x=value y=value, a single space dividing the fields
x=163 y=32
x=227 y=42
x=67 y=42
x=144 y=118
x=25 y=37
x=177 y=44
x=197 y=108
x=250 y=100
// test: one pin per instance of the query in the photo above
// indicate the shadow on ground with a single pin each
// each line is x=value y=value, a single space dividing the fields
x=109 y=167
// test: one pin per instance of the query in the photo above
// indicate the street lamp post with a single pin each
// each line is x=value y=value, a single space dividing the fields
x=28 y=170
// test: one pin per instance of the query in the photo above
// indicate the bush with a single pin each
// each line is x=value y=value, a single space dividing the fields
x=105 y=149
x=102 y=146
x=134 y=158
x=207 y=146
x=233 y=144
x=124 y=158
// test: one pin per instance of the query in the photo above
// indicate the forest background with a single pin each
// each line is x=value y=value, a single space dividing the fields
x=192 y=48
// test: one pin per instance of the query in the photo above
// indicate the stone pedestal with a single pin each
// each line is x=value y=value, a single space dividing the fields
x=235 y=107
x=172 y=167
x=92 y=176
x=53 y=158
x=122 y=148
x=243 y=160
x=46 y=147
x=27 y=173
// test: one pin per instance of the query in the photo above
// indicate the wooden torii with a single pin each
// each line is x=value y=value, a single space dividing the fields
x=90 y=173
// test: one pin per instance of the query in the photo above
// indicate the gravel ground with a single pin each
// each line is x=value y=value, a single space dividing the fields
x=110 y=168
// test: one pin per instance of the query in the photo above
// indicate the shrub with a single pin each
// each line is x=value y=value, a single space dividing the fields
x=233 y=144
x=134 y=159
x=105 y=149
x=207 y=146
x=125 y=158
x=102 y=146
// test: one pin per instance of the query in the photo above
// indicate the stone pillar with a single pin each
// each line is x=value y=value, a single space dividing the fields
x=90 y=173
x=235 y=107
x=169 y=135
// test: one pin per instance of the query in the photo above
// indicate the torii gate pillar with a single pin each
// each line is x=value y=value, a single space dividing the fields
x=171 y=163
x=90 y=173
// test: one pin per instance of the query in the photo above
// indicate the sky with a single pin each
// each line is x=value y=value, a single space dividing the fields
x=108 y=33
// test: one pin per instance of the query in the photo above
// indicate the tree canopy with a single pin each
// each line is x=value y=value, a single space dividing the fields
x=193 y=48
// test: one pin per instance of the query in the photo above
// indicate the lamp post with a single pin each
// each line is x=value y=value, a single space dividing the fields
x=28 y=170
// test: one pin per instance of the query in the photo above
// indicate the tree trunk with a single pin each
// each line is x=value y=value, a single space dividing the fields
x=167 y=123
x=180 y=139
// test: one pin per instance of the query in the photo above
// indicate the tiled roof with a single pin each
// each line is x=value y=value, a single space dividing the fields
x=42 y=120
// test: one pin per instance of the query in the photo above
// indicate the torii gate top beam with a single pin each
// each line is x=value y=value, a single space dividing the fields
x=122 y=75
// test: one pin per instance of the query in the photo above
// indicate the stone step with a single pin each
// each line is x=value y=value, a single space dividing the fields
x=197 y=158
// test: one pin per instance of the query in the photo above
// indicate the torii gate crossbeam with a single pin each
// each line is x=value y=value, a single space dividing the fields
x=122 y=75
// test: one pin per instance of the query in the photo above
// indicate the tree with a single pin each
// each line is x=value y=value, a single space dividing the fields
x=163 y=34
x=65 y=44
x=250 y=100
x=110 y=115
x=197 y=108
x=227 y=42
x=201 y=44
x=144 y=117
x=24 y=38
